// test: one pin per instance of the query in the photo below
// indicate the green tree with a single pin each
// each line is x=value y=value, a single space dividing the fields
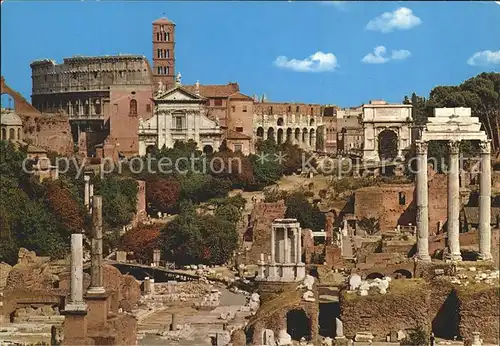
x=299 y=207
x=119 y=199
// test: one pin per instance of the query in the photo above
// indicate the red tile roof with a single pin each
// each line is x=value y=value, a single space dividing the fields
x=163 y=20
x=214 y=91
x=240 y=96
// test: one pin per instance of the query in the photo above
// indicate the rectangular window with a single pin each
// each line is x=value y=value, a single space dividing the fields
x=148 y=108
x=238 y=147
x=297 y=109
x=168 y=53
x=239 y=129
x=233 y=109
x=179 y=123
x=245 y=109
x=218 y=102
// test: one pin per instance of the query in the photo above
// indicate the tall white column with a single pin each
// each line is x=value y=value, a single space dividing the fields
x=485 y=202
x=453 y=202
x=422 y=203
x=76 y=302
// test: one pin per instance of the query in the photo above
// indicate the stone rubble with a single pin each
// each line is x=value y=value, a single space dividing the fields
x=363 y=286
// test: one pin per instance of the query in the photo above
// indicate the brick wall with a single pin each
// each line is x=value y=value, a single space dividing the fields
x=261 y=220
x=383 y=202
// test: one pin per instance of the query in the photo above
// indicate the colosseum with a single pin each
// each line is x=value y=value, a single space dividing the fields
x=103 y=96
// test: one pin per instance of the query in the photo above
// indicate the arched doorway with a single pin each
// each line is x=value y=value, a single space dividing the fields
x=297 y=135
x=402 y=274
x=304 y=135
x=289 y=135
x=270 y=133
x=312 y=137
x=311 y=122
x=260 y=132
x=150 y=149
x=387 y=145
x=280 y=136
x=298 y=325
x=208 y=149
x=280 y=122
x=373 y=276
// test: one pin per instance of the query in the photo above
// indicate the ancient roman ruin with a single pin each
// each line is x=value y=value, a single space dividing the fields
x=398 y=249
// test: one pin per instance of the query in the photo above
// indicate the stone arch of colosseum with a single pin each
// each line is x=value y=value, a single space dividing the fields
x=301 y=130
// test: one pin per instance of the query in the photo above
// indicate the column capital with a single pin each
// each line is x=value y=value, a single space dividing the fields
x=485 y=146
x=421 y=147
x=454 y=147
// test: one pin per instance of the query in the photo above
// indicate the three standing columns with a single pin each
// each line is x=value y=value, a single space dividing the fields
x=485 y=202
x=453 y=203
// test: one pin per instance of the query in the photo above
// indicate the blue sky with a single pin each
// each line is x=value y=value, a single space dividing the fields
x=414 y=46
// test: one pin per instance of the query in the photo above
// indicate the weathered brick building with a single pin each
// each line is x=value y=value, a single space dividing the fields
x=103 y=96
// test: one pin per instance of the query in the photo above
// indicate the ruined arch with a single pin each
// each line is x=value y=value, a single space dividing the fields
x=280 y=121
x=260 y=132
x=387 y=145
x=304 y=134
x=297 y=134
x=311 y=122
x=280 y=136
x=298 y=324
x=402 y=274
x=270 y=133
x=289 y=135
x=312 y=135
x=374 y=275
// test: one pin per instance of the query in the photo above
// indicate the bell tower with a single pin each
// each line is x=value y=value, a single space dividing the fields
x=164 y=53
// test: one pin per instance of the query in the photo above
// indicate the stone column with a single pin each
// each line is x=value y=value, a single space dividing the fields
x=453 y=202
x=86 y=191
x=76 y=302
x=422 y=203
x=273 y=245
x=299 y=243
x=287 y=248
x=485 y=202
x=97 y=282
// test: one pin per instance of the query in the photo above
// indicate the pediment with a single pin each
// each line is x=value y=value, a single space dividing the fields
x=178 y=94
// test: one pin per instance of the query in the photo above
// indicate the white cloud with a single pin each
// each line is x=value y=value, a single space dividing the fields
x=486 y=57
x=400 y=19
x=318 y=62
x=498 y=2
x=400 y=54
x=379 y=55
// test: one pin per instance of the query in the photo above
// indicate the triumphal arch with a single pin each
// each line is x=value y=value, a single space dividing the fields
x=386 y=125
x=453 y=125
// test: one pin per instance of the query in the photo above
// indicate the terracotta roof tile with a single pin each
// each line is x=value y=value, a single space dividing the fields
x=215 y=90
x=240 y=96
